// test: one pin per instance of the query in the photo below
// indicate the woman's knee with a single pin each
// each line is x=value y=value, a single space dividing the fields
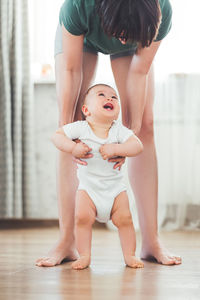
x=147 y=127
x=122 y=219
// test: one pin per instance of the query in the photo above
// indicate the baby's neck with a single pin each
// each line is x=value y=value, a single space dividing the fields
x=100 y=129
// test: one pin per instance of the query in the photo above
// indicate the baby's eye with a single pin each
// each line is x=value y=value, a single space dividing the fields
x=102 y=94
x=114 y=97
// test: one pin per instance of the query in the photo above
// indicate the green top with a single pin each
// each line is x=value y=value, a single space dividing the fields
x=79 y=17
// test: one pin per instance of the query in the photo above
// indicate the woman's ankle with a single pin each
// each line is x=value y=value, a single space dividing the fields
x=67 y=238
x=85 y=255
x=151 y=242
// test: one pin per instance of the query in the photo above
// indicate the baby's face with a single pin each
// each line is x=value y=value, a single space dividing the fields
x=102 y=103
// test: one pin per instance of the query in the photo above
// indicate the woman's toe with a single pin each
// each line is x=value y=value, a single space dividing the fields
x=168 y=261
x=178 y=260
x=46 y=261
x=50 y=262
x=39 y=259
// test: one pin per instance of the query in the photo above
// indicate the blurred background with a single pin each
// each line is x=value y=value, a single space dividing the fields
x=29 y=114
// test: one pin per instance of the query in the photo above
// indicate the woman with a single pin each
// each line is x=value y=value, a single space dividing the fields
x=131 y=32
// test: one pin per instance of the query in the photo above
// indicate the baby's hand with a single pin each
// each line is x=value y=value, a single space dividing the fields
x=80 y=150
x=107 y=150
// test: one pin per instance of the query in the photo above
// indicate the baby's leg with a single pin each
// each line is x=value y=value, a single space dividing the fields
x=122 y=219
x=85 y=214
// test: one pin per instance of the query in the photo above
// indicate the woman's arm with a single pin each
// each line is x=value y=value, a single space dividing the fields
x=69 y=75
x=137 y=85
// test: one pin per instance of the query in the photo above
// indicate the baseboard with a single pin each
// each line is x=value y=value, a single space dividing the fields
x=12 y=223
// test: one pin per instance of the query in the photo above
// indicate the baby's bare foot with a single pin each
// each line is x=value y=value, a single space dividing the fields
x=62 y=251
x=81 y=263
x=133 y=262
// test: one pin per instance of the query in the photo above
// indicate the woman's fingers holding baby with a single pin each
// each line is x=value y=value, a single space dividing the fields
x=77 y=141
x=81 y=150
x=119 y=161
x=81 y=162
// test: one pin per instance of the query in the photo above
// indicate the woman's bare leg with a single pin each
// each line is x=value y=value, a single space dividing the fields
x=143 y=174
x=66 y=173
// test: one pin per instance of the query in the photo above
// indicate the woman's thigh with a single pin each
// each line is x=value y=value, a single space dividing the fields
x=120 y=68
x=88 y=73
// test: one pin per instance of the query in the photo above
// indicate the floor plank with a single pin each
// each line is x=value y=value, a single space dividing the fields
x=106 y=278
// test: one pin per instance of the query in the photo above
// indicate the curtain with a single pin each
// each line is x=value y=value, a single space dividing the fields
x=177 y=124
x=17 y=164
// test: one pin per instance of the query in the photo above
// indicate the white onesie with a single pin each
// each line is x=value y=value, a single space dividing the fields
x=98 y=178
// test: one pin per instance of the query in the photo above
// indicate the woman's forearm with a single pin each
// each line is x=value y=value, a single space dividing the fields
x=68 y=84
x=137 y=82
x=137 y=88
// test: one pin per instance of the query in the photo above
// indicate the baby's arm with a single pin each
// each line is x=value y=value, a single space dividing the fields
x=63 y=143
x=132 y=147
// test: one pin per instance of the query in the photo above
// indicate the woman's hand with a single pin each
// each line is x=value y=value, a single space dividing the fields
x=81 y=150
x=119 y=161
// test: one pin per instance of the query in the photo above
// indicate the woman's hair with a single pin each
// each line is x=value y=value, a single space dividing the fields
x=132 y=20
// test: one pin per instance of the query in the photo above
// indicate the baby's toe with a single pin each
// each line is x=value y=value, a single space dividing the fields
x=74 y=264
x=141 y=265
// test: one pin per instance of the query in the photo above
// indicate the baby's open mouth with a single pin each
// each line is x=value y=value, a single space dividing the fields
x=108 y=106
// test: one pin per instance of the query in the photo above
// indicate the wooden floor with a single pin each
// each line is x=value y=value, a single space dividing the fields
x=107 y=277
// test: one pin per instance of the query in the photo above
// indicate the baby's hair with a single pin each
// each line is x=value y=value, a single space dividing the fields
x=90 y=88
x=85 y=95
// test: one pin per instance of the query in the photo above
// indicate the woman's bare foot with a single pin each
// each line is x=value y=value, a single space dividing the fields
x=159 y=253
x=133 y=262
x=81 y=263
x=62 y=251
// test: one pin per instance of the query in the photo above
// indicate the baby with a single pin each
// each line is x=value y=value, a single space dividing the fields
x=101 y=194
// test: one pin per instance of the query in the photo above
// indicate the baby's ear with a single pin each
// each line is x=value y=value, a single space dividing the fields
x=85 y=110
